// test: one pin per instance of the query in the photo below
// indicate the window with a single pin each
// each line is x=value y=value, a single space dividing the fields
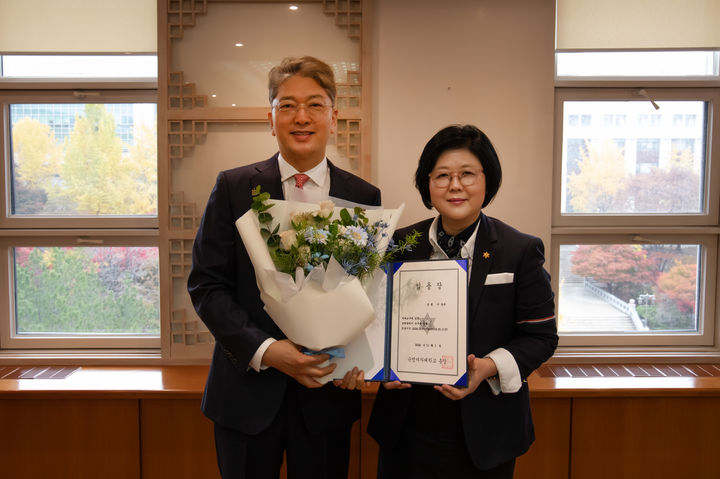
x=635 y=222
x=637 y=170
x=637 y=64
x=79 y=237
x=83 y=159
x=78 y=66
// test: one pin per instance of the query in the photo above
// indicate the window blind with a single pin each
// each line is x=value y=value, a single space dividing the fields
x=78 y=26
x=637 y=25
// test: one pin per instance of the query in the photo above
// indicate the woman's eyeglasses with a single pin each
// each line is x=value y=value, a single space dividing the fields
x=443 y=180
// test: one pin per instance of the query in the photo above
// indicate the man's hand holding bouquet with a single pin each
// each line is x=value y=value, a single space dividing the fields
x=316 y=265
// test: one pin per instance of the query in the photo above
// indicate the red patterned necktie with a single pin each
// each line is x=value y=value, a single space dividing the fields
x=300 y=180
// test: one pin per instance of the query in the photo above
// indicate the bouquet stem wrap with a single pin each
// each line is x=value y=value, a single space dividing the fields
x=328 y=308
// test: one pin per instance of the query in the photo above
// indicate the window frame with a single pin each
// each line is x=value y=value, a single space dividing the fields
x=703 y=229
x=9 y=221
x=712 y=154
x=19 y=230
x=706 y=305
x=10 y=340
x=610 y=80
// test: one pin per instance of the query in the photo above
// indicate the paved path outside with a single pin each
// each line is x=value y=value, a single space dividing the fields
x=581 y=310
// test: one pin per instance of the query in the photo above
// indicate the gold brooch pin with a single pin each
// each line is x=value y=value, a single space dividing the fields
x=486 y=255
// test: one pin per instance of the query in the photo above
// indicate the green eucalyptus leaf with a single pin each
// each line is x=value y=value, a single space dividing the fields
x=273 y=240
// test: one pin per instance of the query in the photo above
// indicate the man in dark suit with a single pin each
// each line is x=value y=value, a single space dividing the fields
x=262 y=393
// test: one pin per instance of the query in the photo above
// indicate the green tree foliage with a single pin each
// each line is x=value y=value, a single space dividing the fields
x=84 y=290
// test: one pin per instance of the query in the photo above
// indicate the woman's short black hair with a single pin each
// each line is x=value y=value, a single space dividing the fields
x=459 y=137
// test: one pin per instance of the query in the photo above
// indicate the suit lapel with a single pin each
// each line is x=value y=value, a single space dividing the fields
x=423 y=250
x=483 y=257
x=268 y=177
x=338 y=186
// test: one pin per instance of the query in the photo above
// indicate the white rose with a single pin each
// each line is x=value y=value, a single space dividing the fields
x=326 y=208
x=288 y=239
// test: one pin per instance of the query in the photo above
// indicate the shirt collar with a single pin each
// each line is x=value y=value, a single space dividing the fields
x=467 y=249
x=318 y=174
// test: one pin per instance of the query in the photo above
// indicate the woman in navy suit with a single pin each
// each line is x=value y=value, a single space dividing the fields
x=478 y=431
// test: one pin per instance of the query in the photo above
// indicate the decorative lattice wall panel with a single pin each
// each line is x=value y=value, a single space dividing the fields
x=184 y=134
x=183 y=95
x=202 y=86
x=348 y=14
x=182 y=14
x=350 y=92
x=349 y=139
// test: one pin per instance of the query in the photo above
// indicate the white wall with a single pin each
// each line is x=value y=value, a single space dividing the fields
x=484 y=62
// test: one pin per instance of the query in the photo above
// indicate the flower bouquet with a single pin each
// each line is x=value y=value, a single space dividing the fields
x=314 y=263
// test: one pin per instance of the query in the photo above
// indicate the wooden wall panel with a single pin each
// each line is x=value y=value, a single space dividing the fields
x=645 y=438
x=69 y=438
x=549 y=456
x=177 y=440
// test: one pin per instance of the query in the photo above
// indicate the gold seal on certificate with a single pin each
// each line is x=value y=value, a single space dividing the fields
x=428 y=322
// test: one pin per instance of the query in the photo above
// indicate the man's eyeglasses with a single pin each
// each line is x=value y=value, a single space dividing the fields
x=314 y=108
x=443 y=180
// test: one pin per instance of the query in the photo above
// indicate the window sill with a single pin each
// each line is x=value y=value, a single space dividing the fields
x=113 y=382
x=126 y=357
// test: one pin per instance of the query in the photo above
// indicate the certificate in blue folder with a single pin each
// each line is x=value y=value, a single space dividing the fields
x=427 y=322
x=420 y=331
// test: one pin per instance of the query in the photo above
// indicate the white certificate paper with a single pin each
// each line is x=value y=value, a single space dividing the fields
x=428 y=332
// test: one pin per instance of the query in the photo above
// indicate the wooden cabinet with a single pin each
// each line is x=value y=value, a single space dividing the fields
x=69 y=438
x=177 y=440
x=645 y=437
x=149 y=425
x=549 y=456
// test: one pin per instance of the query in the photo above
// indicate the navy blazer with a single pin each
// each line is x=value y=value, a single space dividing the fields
x=224 y=292
x=518 y=316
